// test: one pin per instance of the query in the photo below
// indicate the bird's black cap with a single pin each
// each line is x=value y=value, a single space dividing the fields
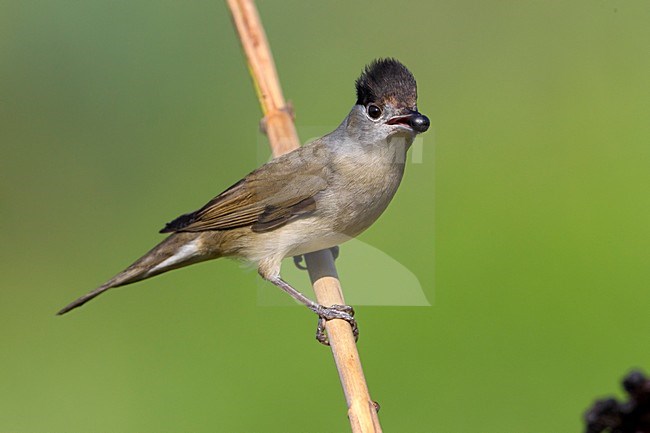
x=387 y=80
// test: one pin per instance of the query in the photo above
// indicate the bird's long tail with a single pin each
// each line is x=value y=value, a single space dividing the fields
x=178 y=250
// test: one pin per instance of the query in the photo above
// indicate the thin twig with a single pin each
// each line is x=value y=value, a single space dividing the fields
x=283 y=138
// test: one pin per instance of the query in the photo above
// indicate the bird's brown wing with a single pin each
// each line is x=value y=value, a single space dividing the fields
x=266 y=199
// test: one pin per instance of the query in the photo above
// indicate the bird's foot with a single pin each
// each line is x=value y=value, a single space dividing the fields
x=297 y=260
x=343 y=312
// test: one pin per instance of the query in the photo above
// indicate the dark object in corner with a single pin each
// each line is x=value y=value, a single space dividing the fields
x=611 y=416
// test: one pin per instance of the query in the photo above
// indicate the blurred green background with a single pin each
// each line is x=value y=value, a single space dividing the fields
x=526 y=220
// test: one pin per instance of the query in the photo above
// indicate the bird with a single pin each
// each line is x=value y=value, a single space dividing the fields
x=315 y=197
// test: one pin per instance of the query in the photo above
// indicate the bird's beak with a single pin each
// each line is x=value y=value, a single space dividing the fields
x=414 y=120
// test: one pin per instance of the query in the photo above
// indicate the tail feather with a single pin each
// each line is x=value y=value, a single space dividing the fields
x=82 y=300
x=178 y=250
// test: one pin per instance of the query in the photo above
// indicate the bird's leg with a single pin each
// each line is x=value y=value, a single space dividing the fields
x=344 y=312
x=297 y=260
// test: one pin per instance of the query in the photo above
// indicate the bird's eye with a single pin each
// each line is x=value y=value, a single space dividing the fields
x=373 y=111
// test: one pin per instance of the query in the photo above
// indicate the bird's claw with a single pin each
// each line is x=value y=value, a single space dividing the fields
x=343 y=312
x=297 y=260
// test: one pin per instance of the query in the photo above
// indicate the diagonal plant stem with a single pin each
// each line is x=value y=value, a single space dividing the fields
x=279 y=126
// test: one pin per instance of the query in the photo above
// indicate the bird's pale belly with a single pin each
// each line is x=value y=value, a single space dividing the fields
x=328 y=241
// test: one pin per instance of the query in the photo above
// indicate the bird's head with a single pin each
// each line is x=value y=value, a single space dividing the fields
x=387 y=101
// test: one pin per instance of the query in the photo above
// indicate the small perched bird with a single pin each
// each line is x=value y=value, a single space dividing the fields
x=313 y=198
